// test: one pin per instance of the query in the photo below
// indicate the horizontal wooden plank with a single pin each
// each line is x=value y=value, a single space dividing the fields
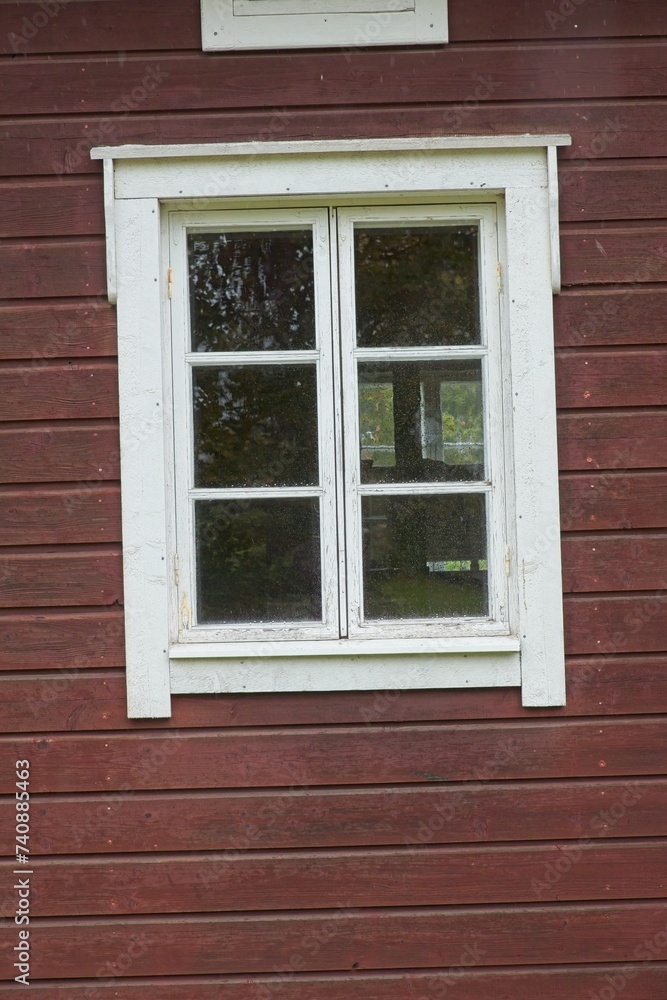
x=613 y=190
x=114 y=26
x=612 y=440
x=339 y=940
x=611 y=500
x=40 y=331
x=194 y=81
x=53 y=268
x=56 y=390
x=247 y=821
x=60 y=515
x=62 y=145
x=613 y=378
x=340 y=755
x=611 y=625
x=618 y=255
x=56 y=578
x=609 y=317
x=117 y=25
x=639 y=981
x=522 y=19
x=61 y=641
x=419 y=876
x=48 y=207
x=67 y=700
x=62 y=452
x=615 y=562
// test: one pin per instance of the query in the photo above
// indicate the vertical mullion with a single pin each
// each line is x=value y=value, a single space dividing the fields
x=327 y=430
x=350 y=419
x=339 y=428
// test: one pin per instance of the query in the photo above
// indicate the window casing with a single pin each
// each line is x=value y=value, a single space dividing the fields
x=472 y=413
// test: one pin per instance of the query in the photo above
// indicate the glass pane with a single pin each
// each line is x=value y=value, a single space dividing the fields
x=255 y=425
x=258 y=561
x=424 y=556
x=421 y=422
x=252 y=291
x=416 y=286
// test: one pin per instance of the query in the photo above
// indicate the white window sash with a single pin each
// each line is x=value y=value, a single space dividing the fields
x=183 y=362
x=488 y=351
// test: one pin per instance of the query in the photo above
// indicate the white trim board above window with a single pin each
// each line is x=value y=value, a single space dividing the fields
x=338 y=436
x=289 y=24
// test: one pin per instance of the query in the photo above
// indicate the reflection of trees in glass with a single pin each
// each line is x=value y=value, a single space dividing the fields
x=255 y=425
x=251 y=291
x=376 y=423
x=421 y=422
x=417 y=286
x=462 y=422
x=422 y=556
x=258 y=560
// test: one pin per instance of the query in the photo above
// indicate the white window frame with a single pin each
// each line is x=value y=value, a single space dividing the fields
x=511 y=178
x=288 y=24
x=342 y=589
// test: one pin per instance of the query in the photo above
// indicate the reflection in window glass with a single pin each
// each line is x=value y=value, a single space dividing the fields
x=255 y=425
x=421 y=422
x=258 y=561
x=376 y=423
x=424 y=556
x=462 y=423
x=416 y=286
x=251 y=291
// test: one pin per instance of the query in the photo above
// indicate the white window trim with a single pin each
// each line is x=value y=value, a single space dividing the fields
x=142 y=184
x=288 y=24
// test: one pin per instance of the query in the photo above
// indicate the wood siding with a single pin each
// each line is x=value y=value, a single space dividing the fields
x=373 y=845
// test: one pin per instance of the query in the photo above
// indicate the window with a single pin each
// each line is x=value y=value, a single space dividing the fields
x=348 y=484
x=281 y=24
x=337 y=417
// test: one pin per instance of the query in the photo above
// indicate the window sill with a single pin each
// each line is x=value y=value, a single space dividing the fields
x=346 y=665
x=345 y=647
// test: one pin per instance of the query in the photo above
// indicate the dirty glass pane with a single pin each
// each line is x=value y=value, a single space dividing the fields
x=255 y=425
x=251 y=291
x=421 y=422
x=416 y=286
x=424 y=556
x=258 y=561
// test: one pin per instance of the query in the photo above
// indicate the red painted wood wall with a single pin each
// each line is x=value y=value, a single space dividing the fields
x=358 y=846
